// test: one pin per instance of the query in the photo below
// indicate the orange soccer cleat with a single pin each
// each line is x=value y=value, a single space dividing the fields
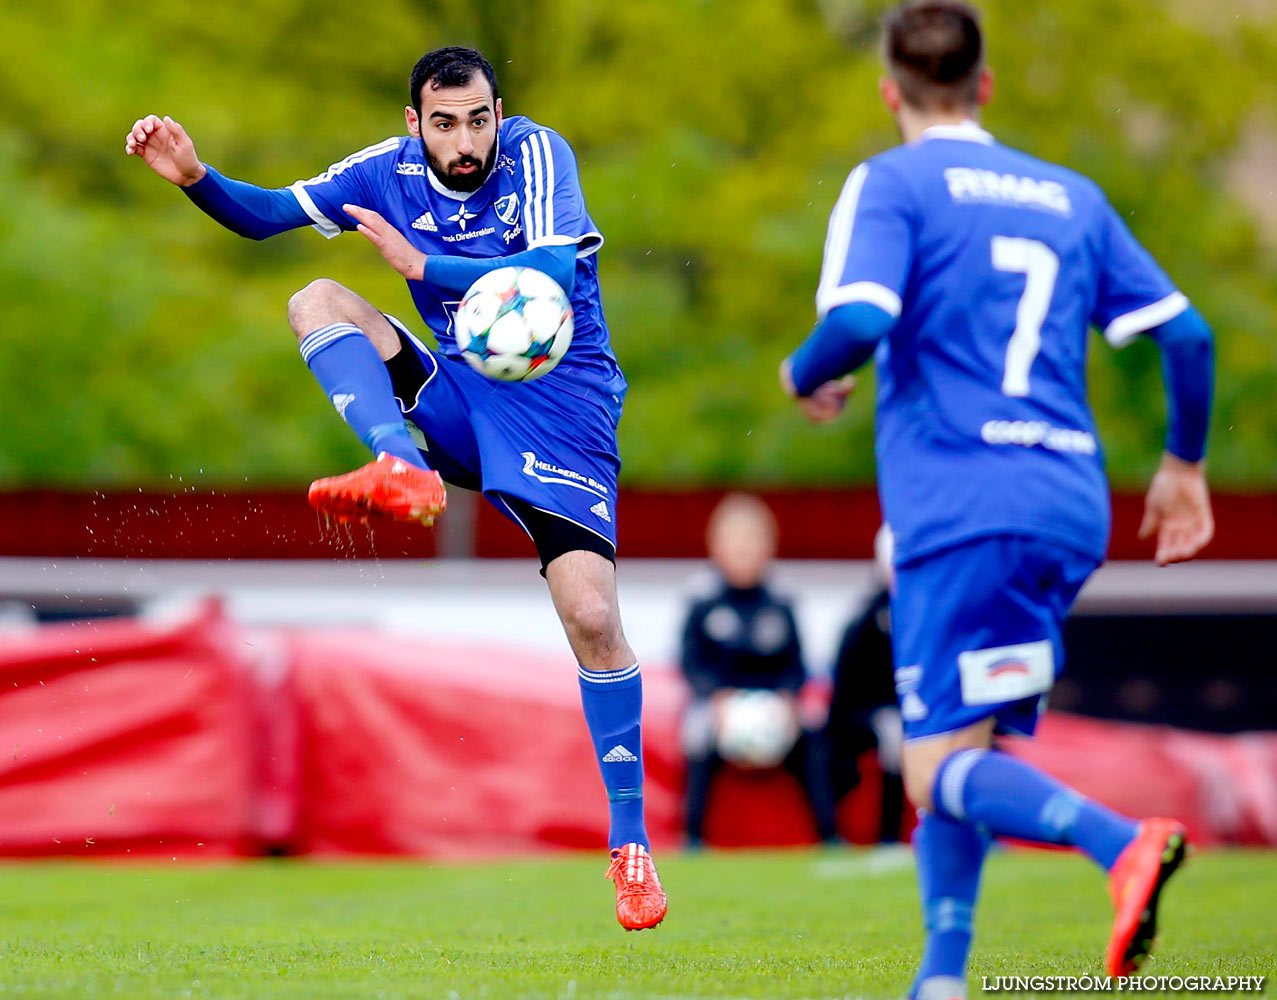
x=640 y=900
x=1135 y=883
x=389 y=487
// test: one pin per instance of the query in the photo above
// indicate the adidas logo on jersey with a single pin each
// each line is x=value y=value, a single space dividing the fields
x=426 y=223
x=600 y=510
x=618 y=754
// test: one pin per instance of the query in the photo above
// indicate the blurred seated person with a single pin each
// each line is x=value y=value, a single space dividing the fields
x=742 y=659
x=863 y=713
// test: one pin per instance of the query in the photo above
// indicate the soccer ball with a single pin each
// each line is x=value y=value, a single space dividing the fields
x=514 y=324
x=756 y=728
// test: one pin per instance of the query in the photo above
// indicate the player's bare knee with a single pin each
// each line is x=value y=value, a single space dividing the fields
x=321 y=302
x=918 y=780
x=591 y=621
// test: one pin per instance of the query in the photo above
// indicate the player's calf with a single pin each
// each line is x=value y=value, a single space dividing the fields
x=344 y=341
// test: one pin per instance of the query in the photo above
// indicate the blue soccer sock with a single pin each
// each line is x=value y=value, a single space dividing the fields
x=1012 y=798
x=352 y=374
x=613 y=702
x=949 y=856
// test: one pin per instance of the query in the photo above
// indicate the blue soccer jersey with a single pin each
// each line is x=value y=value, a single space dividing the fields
x=995 y=263
x=531 y=199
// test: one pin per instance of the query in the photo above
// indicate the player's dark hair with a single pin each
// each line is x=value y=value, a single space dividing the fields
x=451 y=66
x=934 y=50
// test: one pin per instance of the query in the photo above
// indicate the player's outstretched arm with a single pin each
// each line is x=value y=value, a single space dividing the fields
x=165 y=147
x=244 y=209
x=1177 y=510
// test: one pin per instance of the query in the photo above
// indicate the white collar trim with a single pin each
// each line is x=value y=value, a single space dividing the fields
x=447 y=192
x=968 y=131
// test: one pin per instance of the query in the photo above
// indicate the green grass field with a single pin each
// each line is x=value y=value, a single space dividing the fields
x=775 y=924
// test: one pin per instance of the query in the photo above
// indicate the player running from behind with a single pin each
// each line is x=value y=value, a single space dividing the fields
x=971 y=272
x=468 y=191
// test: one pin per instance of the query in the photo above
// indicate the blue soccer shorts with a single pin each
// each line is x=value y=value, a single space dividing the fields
x=977 y=631
x=550 y=443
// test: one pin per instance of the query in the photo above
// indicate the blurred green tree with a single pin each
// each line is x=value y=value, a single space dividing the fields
x=142 y=343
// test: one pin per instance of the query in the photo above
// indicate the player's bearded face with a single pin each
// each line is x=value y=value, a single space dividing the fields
x=463 y=171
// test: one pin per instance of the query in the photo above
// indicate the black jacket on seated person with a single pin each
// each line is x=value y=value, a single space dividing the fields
x=741 y=638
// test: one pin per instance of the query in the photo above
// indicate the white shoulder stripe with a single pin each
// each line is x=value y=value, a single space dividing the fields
x=548 y=220
x=528 y=196
x=1128 y=326
x=538 y=200
x=838 y=238
x=367 y=153
x=538 y=186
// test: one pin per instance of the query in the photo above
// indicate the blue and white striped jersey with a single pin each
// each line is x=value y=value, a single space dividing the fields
x=531 y=199
x=995 y=263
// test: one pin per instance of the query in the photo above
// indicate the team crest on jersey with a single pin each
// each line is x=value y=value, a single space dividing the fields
x=410 y=169
x=426 y=223
x=507 y=208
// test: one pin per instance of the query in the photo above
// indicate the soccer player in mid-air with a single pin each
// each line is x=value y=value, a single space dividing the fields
x=971 y=273
x=465 y=192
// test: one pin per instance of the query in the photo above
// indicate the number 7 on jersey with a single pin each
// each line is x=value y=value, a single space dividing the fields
x=1039 y=264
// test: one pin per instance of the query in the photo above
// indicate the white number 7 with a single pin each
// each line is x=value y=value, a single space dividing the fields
x=1039 y=264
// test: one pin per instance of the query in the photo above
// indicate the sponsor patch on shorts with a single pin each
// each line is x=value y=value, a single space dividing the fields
x=1006 y=673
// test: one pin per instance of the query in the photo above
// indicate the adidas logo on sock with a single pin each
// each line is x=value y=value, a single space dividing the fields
x=600 y=510
x=341 y=400
x=618 y=754
x=426 y=223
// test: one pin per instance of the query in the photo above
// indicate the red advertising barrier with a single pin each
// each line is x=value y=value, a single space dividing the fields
x=122 y=737
x=202 y=739
x=415 y=746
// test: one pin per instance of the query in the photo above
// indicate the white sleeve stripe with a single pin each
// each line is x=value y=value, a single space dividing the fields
x=547 y=224
x=859 y=291
x=838 y=239
x=538 y=191
x=587 y=243
x=527 y=191
x=321 y=222
x=367 y=153
x=1128 y=326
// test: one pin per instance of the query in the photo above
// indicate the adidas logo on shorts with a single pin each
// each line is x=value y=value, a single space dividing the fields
x=426 y=223
x=600 y=510
x=618 y=754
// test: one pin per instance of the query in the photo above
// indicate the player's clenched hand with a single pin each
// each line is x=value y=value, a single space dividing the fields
x=394 y=246
x=166 y=148
x=825 y=403
x=1177 y=510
